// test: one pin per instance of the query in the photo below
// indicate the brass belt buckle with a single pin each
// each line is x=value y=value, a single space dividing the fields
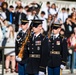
x=32 y=55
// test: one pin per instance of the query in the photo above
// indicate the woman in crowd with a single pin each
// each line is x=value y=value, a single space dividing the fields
x=68 y=27
x=73 y=44
x=73 y=19
x=4 y=6
x=10 y=52
x=49 y=21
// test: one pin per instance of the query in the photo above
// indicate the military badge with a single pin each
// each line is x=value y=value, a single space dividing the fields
x=18 y=39
x=38 y=43
x=38 y=48
x=57 y=42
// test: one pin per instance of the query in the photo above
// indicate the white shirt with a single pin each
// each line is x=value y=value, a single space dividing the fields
x=45 y=9
x=37 y=34
x=56 y=35
x=3 y=15
x=24 y=31
x=44 y=24
x=62 y=16
x=53 y=11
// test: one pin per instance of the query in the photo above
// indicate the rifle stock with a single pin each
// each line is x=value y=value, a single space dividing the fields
x=20 y=54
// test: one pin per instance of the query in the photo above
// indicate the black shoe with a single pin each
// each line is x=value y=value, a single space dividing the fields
x=13 y=70
x=7 y=70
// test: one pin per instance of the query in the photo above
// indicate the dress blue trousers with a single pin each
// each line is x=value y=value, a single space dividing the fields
x=54 y=71
x=22 y=69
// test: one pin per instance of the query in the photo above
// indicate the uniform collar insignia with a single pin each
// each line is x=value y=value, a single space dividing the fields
x=38 y=35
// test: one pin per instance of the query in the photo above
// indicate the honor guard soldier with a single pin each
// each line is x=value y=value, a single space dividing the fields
x=20 y=38
x=37 y=50
x=57 y=51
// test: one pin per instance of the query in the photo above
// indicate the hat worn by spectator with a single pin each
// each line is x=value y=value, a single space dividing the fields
x=23 y=22
x=35 y=23
x=56 y=26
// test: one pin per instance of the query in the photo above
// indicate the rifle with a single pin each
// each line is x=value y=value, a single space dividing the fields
x=20 y=54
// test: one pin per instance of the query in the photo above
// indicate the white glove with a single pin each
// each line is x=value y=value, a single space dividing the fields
x=41 y=73
x=70 y=51
x=62 y=66
x=18 y=58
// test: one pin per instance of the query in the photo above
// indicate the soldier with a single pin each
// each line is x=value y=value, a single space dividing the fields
x=37 y=50
x=20 y=38
x=57 y=51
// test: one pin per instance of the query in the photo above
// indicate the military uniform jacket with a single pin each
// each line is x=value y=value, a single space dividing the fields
x=37 y=54
x=57 y=53
x=18 y=43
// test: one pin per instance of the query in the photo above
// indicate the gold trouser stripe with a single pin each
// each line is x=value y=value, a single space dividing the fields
x=42 y=67
x=63 y=61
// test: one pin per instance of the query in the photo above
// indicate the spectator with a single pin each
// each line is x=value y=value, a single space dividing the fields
x=73 y=9
x=44 y=25
x=34 y=14
x=25 y=9
x=42 y=15
x=72 y=46
x=1 y=38
x=34 y=6
x=73 y=19
x=29 y=14
x=4 y=6
x=68 y=27
x=4 y=25
x=62 y=15
x=49 y=21
x=68 y=11
x=18 y=3
x=53 y=9
x=2 y=14
x=10 y=53
x=10 y=14
x=62 y=32
x=46 y=9
x=19 y=17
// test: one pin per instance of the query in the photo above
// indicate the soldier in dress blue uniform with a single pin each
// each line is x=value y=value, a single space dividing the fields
x=57 y=51
x=37 y=50
x=20 y=38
